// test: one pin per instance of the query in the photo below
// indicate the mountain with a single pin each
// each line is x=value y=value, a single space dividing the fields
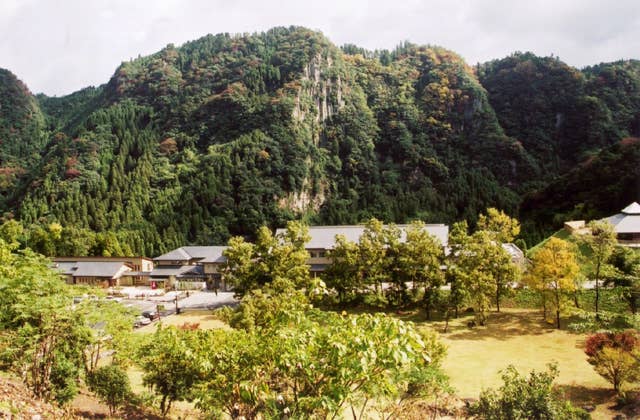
x=228 y=132
x=598 y=187
x=22 y=133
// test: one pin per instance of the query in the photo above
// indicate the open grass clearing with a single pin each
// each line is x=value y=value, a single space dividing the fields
x=522 y=338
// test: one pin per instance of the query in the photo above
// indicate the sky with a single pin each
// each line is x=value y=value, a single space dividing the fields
x=59 y=46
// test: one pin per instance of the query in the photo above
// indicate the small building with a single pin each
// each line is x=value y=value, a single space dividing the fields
x=183 y=277
x=136 y=275
x=578 y=227
x=93 y=273
x=190 y=267
x=627 y=225
x=323 y=239
x=516 y=254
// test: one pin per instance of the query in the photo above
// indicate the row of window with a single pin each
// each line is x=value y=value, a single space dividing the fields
x=318 y=254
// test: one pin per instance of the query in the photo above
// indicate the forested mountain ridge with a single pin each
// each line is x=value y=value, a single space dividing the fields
x=226 y=133
x=562 y=115
x=598 y=187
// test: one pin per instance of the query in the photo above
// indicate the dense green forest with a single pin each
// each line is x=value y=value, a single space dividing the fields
x=226 y=133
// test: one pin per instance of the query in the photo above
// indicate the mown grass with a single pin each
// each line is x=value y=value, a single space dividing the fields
x=520 y=337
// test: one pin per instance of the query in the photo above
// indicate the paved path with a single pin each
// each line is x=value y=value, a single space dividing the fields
x=207 y=300
x=195 y=300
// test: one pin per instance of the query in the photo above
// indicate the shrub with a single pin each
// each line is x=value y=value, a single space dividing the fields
x=111 y=384
x=612 y=355
x=522 y=397
x=625 y=340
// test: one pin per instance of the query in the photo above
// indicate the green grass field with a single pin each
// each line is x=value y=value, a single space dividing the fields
x=521 y=338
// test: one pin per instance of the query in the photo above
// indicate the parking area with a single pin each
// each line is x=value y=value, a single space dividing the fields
x=166 y=303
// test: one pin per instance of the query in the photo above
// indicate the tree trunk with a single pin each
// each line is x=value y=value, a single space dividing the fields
x=162 y=406
x=446 y=319
x=557 y=293
x=498 y=299
x=427 y=302
x=597 y=289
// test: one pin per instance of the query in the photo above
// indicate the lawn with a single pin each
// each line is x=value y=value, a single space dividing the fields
x=521 y=337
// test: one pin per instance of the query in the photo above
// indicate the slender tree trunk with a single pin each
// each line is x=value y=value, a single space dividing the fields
x=557 y=292
x=498 y=298
x=453 y=297
x=597 y=289
x=446 y=319
x=427 y=302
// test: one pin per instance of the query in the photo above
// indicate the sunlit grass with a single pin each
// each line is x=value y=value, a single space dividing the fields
x=521 y=338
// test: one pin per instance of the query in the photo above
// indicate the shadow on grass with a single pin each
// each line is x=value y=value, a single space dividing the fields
x=582 y=396
x=499 y=326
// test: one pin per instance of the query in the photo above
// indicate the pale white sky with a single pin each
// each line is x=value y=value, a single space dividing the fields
x=59 y=46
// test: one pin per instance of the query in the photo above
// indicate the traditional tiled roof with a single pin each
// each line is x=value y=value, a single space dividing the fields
x=323 y=237
x=178 y=272
x=628 y=221
x=66 y=268
x=214 y=255
x=106 y=269
x=199 y=253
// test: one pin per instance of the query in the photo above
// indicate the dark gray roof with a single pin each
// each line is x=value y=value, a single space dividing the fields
x=324 y=237
x=215 y=255
x=107 y=269
x=66 y=268
x=178 y=272
x=100 y=269
x=200 y=253
x=138 y=273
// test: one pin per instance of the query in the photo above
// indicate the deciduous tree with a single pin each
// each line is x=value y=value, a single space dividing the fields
x=41 y=338
x=553 y=272
x=483 y=265
x=170 y=365
x=111 y=384
x=602 y=241
x=420 y=260
x=279 y=260
x=614 y=356
x=503 y=227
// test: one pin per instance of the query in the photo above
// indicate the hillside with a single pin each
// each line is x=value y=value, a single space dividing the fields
x=226 y=133
x=598 y=187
